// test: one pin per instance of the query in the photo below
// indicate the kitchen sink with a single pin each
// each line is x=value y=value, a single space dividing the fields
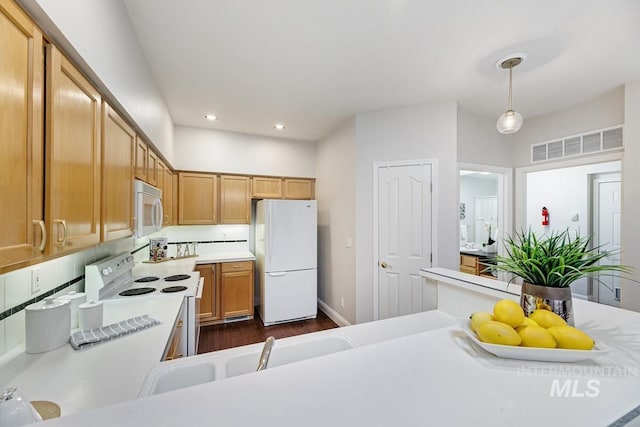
x=178 y=375
x=284 y=354
x=204 y=368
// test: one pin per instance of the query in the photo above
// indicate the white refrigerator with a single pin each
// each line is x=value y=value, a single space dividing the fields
x=286 y=244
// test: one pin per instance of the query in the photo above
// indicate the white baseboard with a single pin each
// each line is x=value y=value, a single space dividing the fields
x=333 y=315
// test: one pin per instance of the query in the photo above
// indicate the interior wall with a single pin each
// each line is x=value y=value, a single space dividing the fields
x=336 y=195
x=480 y=142
x=601 y=112
x=211 y=150
x=99 y=37
x=630 y=292
x=422 y=132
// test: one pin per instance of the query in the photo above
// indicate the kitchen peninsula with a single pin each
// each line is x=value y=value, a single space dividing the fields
x=413 y=370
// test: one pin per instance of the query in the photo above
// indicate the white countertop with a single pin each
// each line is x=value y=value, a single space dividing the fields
x=436 y=377
x=185 y=265
x=99 y=375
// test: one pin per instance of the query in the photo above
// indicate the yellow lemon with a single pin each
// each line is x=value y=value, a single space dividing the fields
x=480 y=317
x=509 y=312
x=536 y=336
x=572 y=338
x=498 y=333
x=547 y=319
x=528 y=322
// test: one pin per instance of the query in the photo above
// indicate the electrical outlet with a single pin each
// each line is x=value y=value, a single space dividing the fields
x=35 y=280
x=349 y=242
x=342 y=302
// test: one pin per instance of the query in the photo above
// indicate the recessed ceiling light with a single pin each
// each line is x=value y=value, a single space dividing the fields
x=211 y=117
x=279 y=126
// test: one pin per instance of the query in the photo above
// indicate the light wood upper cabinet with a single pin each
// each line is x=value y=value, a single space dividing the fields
x=235 y=199
x=21 y=136
x=153 y=176
x=266 y=188
x=237 y=289
x=198 y=201
x=118 y=148
x=298 y=188
x=165 y=176
x=72 y=170
x=142 y=158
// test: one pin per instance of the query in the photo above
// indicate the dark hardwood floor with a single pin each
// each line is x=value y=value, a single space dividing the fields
x=235 y=334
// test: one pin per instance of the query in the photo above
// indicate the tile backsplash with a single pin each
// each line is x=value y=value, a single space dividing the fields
x=61 y=275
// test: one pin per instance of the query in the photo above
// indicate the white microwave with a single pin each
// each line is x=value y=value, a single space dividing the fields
x=148 y=208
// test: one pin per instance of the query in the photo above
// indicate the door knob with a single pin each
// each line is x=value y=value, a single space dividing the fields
x=384 y=265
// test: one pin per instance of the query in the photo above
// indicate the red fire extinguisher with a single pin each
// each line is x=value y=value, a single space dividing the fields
x=545 y=216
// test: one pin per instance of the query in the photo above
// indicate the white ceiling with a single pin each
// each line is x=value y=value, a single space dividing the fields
x=313 y=63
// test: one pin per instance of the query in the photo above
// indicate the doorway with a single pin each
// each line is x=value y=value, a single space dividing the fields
x=403 y=235
x=605 y=227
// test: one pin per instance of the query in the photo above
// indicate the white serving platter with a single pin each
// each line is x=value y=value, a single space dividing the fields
x=530 y=353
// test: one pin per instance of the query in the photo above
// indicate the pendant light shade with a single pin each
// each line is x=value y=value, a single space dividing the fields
x=510 y=121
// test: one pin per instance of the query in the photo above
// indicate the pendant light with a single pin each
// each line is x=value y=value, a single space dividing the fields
x=510 y=121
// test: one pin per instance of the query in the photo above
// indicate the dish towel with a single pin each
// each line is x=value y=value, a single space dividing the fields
x=88 y=337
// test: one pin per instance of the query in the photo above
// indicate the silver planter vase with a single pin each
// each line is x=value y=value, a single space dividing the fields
x=557 y=300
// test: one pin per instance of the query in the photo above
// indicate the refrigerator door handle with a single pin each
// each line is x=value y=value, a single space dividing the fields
x=278 y=274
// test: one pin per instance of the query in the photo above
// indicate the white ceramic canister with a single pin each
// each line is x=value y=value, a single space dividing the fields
x=75 y=299
x=90 y=315
x=48 y=325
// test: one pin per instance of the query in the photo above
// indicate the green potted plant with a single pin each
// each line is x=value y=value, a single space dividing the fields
x=550 y=264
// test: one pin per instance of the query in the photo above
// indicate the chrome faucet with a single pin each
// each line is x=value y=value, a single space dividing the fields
x=266 y=352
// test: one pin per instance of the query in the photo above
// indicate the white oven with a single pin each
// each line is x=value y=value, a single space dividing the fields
x=148 y=208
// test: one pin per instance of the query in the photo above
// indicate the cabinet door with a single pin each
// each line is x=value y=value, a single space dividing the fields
x=298 y=188
x=167 y=195
x=235 y=200
x=118 y=145
x=152 y=167
x=198 y=198
x=72 y=178
x=469 y=264
x=21 y=113
x=142 y=157
x=209 y=304
x=266 y=188
x=237 y=293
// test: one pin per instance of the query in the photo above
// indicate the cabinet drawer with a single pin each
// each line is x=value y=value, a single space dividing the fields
x=468 y=261
x=228 y=267
x=465 y=269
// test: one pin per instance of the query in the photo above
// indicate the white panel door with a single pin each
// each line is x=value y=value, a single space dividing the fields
x=607 y=216
x=291 y=235
x=404 y=237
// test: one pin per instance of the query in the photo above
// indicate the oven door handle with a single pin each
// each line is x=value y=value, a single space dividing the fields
x=200 y=287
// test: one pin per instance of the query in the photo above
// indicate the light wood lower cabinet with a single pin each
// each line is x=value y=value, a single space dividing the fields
x=237 y=289
x=228 y=291
x=72 y=170
x=210 y=301
x=118 y=151
x=21 y=137
x=198 y=201
x=475 y=265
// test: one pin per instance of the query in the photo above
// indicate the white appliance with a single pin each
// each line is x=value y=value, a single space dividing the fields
x=111 y=280
x=286 y=259
x=148 y=208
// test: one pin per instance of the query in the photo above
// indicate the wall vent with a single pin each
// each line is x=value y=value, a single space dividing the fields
x=577 y=145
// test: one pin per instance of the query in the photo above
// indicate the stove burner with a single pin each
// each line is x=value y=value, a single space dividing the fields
x=147 y=279
x=174 y=289
x=176 y=278
x=136 y=291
